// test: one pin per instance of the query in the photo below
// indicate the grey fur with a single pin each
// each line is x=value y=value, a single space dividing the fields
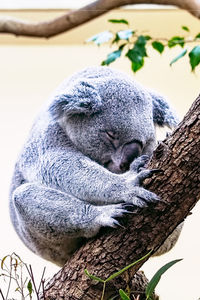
x=61 y=191
x=163 y=114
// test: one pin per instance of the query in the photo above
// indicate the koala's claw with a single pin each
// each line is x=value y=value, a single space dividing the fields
x=109 y=213
x=117 y=224
x=129 y=207
x=143 y=197
x=145 y=174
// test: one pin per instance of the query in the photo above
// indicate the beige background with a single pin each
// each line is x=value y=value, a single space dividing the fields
x=31 y=68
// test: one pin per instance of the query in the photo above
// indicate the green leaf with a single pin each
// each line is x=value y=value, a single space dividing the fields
x=112 y=57
x=137 y=53
x=140 y=45
x=125 y=34
x=185 y=28
x=176 y=40
x=158 y=46
x=127 y=267
x=139 y=48
x=136 y=59
x=122 y=21
x=197 y=36
x=93 y=277
x=101 y=37
x=116 y=39
x=178 y=57
x=147 y=37
x=156 y=278
x=137 y=65
x=30 y=287
x=194 y=57
x=123 y=295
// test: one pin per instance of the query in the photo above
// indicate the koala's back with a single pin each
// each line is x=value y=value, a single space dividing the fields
x=45 y=135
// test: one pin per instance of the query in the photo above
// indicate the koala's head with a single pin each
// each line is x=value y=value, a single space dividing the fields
x=109 y=117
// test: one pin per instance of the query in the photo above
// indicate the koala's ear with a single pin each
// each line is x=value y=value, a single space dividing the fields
x=163 y=114
x=81 y=97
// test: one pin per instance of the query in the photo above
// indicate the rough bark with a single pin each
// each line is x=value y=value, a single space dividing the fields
x=179 y=188
x=47 y=29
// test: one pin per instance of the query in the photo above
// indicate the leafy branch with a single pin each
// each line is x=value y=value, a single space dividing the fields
x=150 y=288
x=134 y=46
x=20 y=277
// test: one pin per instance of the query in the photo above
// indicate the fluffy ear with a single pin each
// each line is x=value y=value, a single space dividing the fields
x=81 y=97
x=163 y=114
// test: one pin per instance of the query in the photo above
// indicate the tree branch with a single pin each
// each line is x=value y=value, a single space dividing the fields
x=178 y=186
x=80 y=16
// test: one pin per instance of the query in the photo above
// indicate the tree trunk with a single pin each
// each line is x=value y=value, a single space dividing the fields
x=50 y=28
x=178 y=185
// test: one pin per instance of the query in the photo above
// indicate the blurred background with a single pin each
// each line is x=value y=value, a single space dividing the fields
x=31 y=68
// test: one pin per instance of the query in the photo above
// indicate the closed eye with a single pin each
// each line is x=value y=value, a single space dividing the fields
x=110 y=134
x=111 y=137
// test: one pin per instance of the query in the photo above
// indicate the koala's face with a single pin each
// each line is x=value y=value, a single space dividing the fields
x=109 y=117
x=120 y=131
x=118 y=156
x=114 y=140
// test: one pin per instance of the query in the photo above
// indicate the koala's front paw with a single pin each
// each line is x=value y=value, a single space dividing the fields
x=139 y=163
x=140 y=196
x=109 y=213
x=144 y=174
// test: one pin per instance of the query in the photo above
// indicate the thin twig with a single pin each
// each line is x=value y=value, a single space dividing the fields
x=30 y=272
x=22 y=284
x=41 y=280
x=10 y=278
x=43 y=293
x=1 y=293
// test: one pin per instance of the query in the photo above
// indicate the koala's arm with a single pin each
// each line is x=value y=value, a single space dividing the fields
x=76 y=174
x=70 y=171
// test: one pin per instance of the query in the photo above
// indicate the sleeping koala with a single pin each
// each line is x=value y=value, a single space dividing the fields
x=82 y=165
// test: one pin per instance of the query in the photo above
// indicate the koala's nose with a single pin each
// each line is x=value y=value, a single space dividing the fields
x=129 y=152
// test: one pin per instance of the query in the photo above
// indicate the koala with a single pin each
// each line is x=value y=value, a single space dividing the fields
x=82 y=165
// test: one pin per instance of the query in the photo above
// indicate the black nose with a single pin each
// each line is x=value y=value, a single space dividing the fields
x=130 y=151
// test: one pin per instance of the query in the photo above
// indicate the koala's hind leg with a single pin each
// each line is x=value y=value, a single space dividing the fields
x=48 y=218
